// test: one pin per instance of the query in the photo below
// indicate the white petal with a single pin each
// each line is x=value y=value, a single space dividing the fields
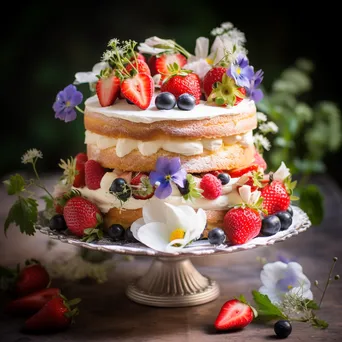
x=154 y=235
x=180 y=242
x=282 y=172
x=255 y=195
x=99 y=66
x=136 y=225
x=274 y=297
x=85 y=77
x=199 y=67
x=183 y=217
x=144 y=48
x=272 y=272
x=245 y=193
x=201 y=220
x=202 y=47
x=154 y=211
x=300 y=292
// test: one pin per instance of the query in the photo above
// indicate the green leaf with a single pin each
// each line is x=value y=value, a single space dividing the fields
x=194 y=192
x=48 y=202
x=319 y=323
x=15 y=185
x=24 y=213
x=265 y=307
x=311 y=304
x=311 y=201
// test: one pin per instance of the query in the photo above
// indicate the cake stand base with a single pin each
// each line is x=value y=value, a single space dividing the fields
x=172 y=282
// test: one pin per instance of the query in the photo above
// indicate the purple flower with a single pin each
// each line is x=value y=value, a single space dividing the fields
x=66 y=101
x=251 y=90
x=167 y=171
x=241 y=71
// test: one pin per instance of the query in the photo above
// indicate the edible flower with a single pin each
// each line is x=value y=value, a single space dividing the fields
x=66 y=101
x=168 y=228
x=90 y=76
x=280 y=279
x=252 y=90
x=167 y=171
x=241 y=71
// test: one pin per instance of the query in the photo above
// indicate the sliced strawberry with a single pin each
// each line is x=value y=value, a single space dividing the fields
x=93 y=174
x=236 y=173
x=239 y=99
x=107 y=90
x=139 y=56
x=234 y=315
x=211 y=77
x=166 y=59
x=138 y=89
x=79 y=180
x=152 y=64
x=141 y=186
x=139 y=66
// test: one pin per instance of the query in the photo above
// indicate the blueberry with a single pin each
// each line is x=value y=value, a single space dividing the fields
x=186 y=102
x=165 y=100
x=290 y=210
x=270 y=225
x=116 y=232
x=224 y=178
x=121 y=189
x=285 y=219
x=185 y=189
x=129 y=236
x=57 y=222
x=282 y=328
x=216 y=236
x=129 y=102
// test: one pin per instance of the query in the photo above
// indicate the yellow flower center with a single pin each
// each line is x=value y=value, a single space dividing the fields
x=168 y=177
x=67 y=104
x=289 y=287
x=238 y=71
x=209 y=61
x=178 y=233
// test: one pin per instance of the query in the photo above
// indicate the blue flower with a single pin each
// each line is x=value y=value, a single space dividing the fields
x=66 y=101
x=241 y=71
x=251 y=90
x=167 y=171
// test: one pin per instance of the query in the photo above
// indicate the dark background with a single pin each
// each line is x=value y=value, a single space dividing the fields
x=45 y=44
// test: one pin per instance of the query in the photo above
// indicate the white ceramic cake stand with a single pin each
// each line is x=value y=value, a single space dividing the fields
x=172 y=280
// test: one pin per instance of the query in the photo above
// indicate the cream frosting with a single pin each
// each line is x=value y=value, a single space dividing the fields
x=105 y=200
x=122 y=110
x=185 y=147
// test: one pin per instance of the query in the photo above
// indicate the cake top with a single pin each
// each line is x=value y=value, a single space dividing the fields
x=159 y=80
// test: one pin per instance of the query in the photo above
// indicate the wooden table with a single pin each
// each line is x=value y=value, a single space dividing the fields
x=106 y=314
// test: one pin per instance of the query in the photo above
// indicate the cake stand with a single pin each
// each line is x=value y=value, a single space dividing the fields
x=172 y=280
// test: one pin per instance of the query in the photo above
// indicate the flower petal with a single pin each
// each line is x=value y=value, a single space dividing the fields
x=274 y=297
x=99 y=66
x=272 y=272
x=85 y=77
x=69 y=91
x=282 y=172
x=136 y=225
x=179 y=177
x=156 y=177
x=162 y=166
x=164 y=190
x=174 y=165
x=76 y=98
x=202 y=47
x=71 y=116
x=154 y=211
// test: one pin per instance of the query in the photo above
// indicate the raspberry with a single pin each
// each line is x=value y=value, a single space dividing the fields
x=211 y=186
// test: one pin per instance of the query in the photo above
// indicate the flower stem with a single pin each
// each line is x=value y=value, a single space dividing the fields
x=79 y=109
x=328 y=281
x=38 y=179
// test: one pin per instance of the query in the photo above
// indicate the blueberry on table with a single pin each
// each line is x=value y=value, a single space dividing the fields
x=116 y=232
x=216 y=236
x=282 y=328
x=57 y=222
x=121 y=189
x=285 y=219
x=186 y=102
x=270 y=225
x=165 y=100
x=224 y=178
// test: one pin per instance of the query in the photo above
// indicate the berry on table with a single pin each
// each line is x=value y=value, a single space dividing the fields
x=216 y=236
x=282 y=328
x=270 y=225
x=211 y=186
x=224 y=178
x=57 y=222
x=165 y=100
x=121 y=189
x=285 y=219
x=116 y=232
x=186 y=101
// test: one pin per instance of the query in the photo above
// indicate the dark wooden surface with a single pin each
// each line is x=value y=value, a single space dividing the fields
x=108 y=315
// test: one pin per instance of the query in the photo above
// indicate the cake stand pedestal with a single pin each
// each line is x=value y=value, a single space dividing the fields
x=172 y=280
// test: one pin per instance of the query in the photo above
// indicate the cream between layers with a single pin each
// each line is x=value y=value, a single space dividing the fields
x=147 y=148
x=105 y=201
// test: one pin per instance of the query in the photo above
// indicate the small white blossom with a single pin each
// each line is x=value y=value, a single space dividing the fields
x=114 y=42
x=30 y=156
x=268 y=127
x=261 y=117
x=90 y=76
x=217 y=31
x=261 y=141
x=108 y=55
x=236 y=36
x=227 y=25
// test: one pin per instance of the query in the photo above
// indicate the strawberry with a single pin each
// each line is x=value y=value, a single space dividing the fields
x=152 y=64
x=211 y=186
x=140 y=66
x=58 y=204
x=138 y=89
x=167 y=59
x=32 y=302
x=33 y=277
x=259 y=160
x=239 y=99
x=79 y=180
x=241 y=224
x=107 y=90
x=55 y=315
x=93 y=174
x=236 y=173
x=139 y=56
x=234 y=315
x=142 y=188
x=183 y=83
x=211 y=77
x=80 y=214
x=275 y=197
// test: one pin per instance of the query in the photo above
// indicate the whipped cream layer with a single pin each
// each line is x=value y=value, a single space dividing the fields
x=105 y=200
x=185 y=147
x=123 y=110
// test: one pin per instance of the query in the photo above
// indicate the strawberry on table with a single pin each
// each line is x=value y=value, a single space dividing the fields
x=141 y=186
x=234 y=315
x=79 y=180
x=56 y=315
x=108 y=90
x=93 y=174
x=165 y=60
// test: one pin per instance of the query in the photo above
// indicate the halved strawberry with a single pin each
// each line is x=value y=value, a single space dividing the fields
x=211 y=77
x=166 y=59
x=239 y=99
x=141 y=186
x=93 y=174
x=236 y=173
x=140 y=66
x=139 y=89
x=107 y=90
x=79 y=180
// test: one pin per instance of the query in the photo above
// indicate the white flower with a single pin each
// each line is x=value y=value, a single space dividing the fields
x=261 y=117
x=268 y=127
x=282 y=173
x=227 y=26
x=90 y=76
x=155 y=45
x=157 y=80
x=280 y=279
x=168 y=228
x=30 y=156
x=248 y=196
x=61 y=188
x=261 y=141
